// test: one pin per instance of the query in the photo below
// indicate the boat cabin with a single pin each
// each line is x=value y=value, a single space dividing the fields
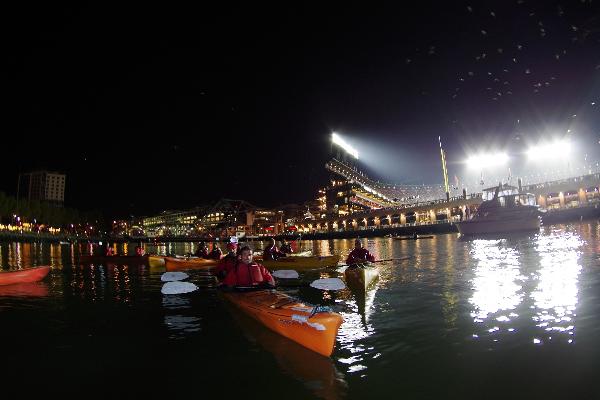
x=508 y=196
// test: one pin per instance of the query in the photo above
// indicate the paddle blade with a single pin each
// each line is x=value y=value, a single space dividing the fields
x=178 y=287
x=286 y=274
x=328 y=284
x=173 y=276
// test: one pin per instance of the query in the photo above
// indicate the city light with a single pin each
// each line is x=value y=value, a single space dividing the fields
x=490 y=160
x=336 y=139
x=556 y=149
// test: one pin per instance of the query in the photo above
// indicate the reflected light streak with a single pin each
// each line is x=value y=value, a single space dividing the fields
x=498 y=280
x=556 y=294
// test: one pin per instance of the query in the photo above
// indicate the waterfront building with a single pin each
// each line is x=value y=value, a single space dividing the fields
x=173 y=223
x=42 y=185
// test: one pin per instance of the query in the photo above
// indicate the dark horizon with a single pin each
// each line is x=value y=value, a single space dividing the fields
x=166 y=108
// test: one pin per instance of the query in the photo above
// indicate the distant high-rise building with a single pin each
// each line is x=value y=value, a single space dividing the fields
x=42 y=186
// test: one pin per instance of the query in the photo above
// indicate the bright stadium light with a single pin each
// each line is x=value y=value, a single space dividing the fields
x=491 y=160
x=556 y=149
x=336 y=139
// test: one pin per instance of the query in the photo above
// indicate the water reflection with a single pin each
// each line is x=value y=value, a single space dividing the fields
x=517 y=281
x=356 y=328
x=555 y=295
x=177 y=322
x=317 y=373
x=498 y=281
x=88 y=282
x=33 y=289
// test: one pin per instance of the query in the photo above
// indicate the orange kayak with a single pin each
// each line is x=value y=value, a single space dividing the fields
x=179 y=264
x=288 y=317
x=24 y=275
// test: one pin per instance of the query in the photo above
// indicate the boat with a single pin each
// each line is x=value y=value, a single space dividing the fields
x=185 y=263
x=156 y=261
x=313 y=327
x=301 y=263
x=318 y=374
x=359 y=277
x=413 y=238
x=118 y=259
x=28 y=289
x=506 y=210
x=26 y=275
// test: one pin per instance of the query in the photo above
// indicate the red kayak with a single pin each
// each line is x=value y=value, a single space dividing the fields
x=24 y=275
x=29 y=289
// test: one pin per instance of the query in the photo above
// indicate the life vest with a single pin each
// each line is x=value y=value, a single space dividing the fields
x=252 y=274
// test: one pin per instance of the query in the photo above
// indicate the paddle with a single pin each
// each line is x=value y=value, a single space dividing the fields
x=178 y=288
x=328 y=284
x=377 y=261
x=286 y=274
x=173 y=276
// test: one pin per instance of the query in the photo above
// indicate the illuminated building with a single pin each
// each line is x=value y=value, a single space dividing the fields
x=42 y=186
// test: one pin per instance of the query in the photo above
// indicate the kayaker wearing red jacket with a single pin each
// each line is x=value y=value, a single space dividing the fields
x=359 y=254
x=227 y=263
x=271 y=252
x=139 y=251
x=247 y=273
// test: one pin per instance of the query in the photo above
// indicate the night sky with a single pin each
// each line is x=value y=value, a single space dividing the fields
x=152 y=108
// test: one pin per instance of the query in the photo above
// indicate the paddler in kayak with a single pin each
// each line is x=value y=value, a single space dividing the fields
x=271 y=252
x=359 y=254
x=247 y=273
x=227 y=263
x=201 y=251
x=215 y=253
x=139 y=250
x=285 y=247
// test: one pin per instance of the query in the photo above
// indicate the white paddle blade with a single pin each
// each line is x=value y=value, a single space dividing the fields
x=286 y=274
x=173 y=276
x=178 y=287
x=328 y=284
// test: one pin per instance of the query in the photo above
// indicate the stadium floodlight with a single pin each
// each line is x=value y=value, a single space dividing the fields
x=491 y=160
x=554 y=150
x=336 y=139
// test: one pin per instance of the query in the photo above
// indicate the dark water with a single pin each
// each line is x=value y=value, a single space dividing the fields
x=487 y=318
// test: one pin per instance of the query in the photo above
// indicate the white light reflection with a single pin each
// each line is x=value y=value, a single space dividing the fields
x=350 y=336
x=180 y=325
x=497 y=284
x=555 y=296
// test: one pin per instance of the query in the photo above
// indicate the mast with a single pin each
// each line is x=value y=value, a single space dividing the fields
x=444 y=169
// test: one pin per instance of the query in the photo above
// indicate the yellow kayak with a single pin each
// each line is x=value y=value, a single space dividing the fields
x=179 y=264
x=301 y=263
x=156 y=261
x=360 y=277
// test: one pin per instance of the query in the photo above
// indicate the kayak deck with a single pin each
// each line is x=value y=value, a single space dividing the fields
x=290 y=318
